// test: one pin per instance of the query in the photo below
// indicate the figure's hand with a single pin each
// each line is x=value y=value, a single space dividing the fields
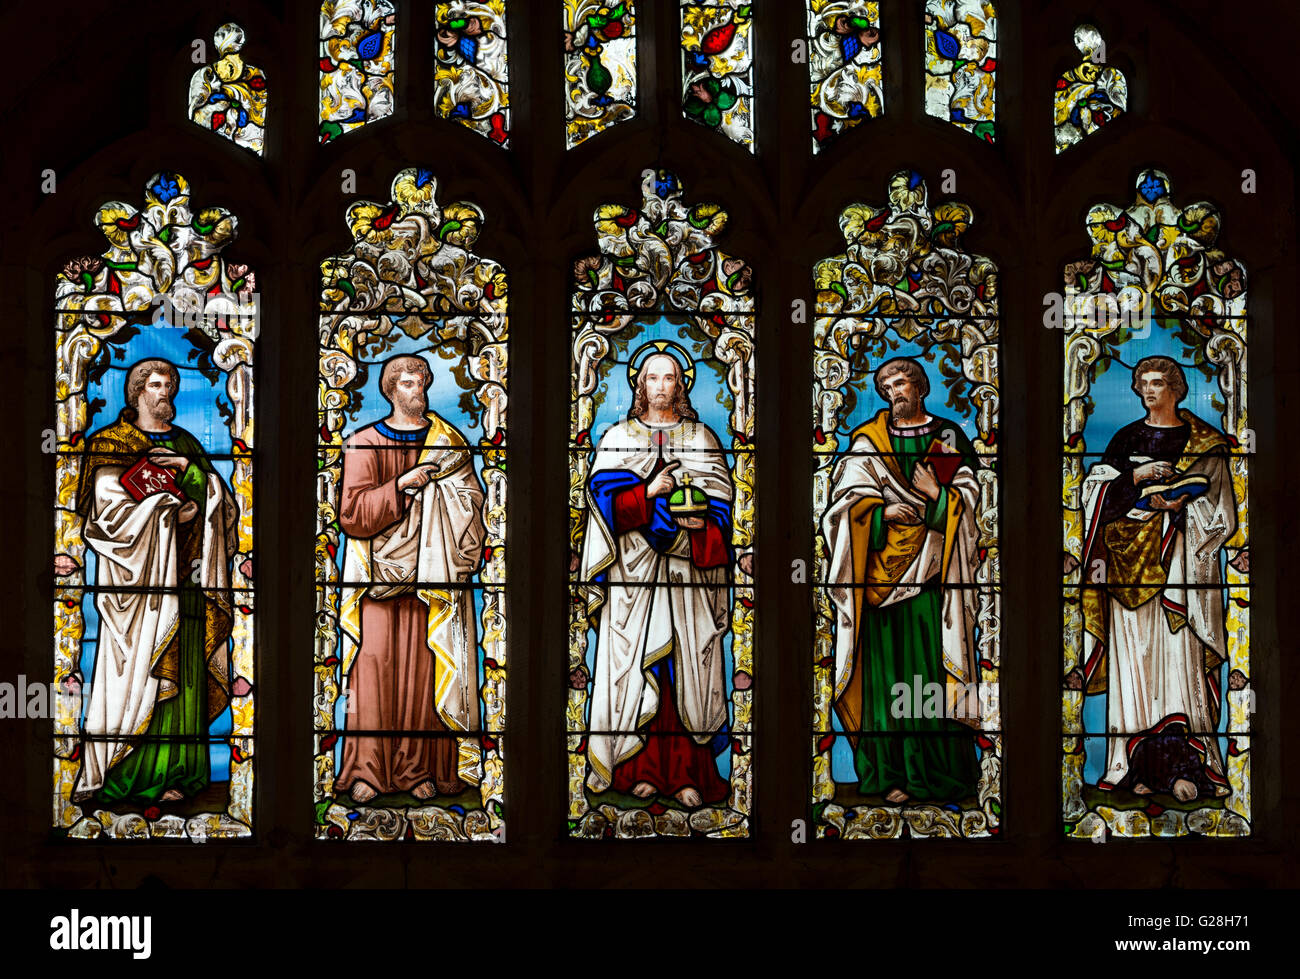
x=417 y=478
x=575 y=562
x=690 y=523
x=903 y=513
x=746 y=563
x=925 y=481
x=1152 y=470
x=1241 y=562
x=1071 y=563
x=188 y=512
x=168 y=458
x=1158 y=502
x=64 y=565
x=663 y=483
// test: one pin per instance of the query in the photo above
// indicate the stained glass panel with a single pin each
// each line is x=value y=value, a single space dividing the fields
x=229 y=96
x=358 y=58
x=907 y=737
x=661 y=509
x=1156 y=462
x=153 y=552
x=600 y=84
x=961 y=62
x=472 y=76
x=717 y=68
x=411 y=526
x=844 y=65
x=1089 y=96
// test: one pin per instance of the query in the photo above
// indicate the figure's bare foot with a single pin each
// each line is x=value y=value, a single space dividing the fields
x=896 y=797
x=1184 y=791
x=361 y=792
x=172 y=795
x=688 y=797
x=453 y=787
x=643 y=790
x=425 y=790
x=1141 y=789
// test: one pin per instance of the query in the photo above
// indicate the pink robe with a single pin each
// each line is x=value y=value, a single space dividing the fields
x=390 y=686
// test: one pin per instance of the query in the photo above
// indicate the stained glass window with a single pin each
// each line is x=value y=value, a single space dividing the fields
x=600 y=84
x=844 y=66
x=717 y=67
x=229 y=96
x=358 y=58
x=661 y=507
x=961 y=63
x=472 y=76
x=1089 y=96
x=411 y=526
x=1157 y=698
x=907 y=737
x=154 y=599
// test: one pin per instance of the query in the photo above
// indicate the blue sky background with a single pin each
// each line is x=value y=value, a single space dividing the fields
x=613 y=407
x=1117 y=405
x=444 y=394
x=870 y=404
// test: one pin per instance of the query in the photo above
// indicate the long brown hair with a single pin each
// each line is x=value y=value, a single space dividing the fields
x=681 y=405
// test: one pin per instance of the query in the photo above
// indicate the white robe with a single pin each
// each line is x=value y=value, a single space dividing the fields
x=136 y=544
x=1152 y=673
x=639 y=626
x=858 y=477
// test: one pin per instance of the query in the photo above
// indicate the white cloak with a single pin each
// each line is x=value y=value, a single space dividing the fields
x=868 y=476
x=136 y=544
x=639 y=626
x=1154 y=674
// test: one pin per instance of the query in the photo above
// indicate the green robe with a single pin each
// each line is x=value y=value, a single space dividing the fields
x=933 y=758
x=153 y=767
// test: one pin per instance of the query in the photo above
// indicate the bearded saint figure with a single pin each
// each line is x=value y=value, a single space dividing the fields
x=412 y=509
x=904 y=549
x=163 y=526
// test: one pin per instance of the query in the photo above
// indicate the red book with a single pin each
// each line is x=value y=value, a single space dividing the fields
x=146 y=478
x=944 y=461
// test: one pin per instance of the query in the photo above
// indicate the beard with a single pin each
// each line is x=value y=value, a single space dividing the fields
x=905 y=408
x=160 y=408
x=415 y=404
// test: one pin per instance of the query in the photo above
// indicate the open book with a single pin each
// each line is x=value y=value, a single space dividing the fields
x=1189 y=485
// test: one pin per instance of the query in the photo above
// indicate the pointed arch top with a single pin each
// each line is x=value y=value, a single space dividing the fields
x=166 y=249
x=907 y=259
x=662 y=255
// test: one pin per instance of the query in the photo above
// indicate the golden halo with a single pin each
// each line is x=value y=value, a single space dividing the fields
x=648 y=350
